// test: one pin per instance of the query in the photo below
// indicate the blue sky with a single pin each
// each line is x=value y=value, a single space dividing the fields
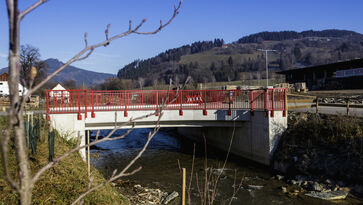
x=57 y=27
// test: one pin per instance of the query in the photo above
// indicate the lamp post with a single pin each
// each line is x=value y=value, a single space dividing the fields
x=266 y=52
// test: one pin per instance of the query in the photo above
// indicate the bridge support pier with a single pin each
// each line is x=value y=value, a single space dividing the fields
x=255 y=139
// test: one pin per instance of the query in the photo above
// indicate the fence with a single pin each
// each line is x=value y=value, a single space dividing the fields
x=84 y=101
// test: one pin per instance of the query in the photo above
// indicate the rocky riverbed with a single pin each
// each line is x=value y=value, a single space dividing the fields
x=139 y=195
x=167 y=152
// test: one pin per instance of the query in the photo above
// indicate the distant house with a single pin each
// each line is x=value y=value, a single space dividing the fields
x=4 y=87
x=59 y=93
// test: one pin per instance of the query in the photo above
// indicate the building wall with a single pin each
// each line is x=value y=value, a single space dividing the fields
x=4 y=89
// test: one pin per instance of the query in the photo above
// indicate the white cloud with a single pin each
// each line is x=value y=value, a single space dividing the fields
x=2 y=55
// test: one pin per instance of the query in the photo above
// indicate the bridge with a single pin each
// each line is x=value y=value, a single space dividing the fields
x=257 y=117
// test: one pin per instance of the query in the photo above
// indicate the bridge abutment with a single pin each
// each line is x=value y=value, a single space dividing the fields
x=255 y=139
x=69 y=127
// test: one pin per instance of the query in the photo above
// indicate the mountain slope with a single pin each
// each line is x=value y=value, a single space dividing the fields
x=81 y=76
x=209 y=61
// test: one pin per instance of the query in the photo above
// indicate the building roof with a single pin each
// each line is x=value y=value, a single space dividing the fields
x=343 y=65
x=58 y=87
x=4 y=77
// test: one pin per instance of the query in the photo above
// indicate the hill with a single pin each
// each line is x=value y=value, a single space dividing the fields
x=80 y=76
x=211 y=61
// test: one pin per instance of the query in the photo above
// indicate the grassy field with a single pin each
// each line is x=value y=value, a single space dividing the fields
x=205 y=59
x=219 y=85
x=61 y=184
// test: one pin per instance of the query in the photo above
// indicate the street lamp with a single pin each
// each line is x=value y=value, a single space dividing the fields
x=266 y=51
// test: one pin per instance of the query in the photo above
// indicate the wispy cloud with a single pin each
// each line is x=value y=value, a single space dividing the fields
x=2 y=55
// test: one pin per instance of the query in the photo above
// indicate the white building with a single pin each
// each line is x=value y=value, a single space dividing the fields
x=4 y=89
x=59 y=93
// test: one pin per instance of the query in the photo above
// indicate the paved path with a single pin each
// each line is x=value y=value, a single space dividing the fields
x=332 y=110
x=35 y=112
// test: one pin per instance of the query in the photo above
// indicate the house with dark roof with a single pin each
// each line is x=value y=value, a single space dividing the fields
x=339 y=75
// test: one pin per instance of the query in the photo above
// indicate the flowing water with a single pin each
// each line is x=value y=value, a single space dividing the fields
x=160 y=169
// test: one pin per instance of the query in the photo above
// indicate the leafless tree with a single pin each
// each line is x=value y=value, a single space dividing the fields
x=30 y=58
x=16 y=121
x=207 y=182
x=141 y=82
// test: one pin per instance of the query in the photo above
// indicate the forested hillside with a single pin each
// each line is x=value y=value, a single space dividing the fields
x=211 y=61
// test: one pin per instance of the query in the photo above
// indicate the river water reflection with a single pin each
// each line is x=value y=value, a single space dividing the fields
x=160 y=169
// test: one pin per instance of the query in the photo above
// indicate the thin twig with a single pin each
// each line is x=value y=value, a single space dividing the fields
x=191 y=175
x=123 y=173
x=87 y=51
x=214 y=193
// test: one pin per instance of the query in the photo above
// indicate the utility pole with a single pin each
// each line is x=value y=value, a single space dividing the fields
x=266 y=53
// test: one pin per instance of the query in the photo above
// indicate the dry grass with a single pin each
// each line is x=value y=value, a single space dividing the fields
x=330 y=131
x=62 y=184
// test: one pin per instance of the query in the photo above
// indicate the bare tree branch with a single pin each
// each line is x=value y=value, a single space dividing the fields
x=79 y=55
x=101 y=185
x=60 y=158
x=31 y=8
x=123 y=173
x=176 y=12
x=16 y=121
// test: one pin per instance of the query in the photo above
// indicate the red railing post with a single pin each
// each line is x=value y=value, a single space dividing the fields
x=285 y=104
x=157 y=104
x=125 y=112
x=93 y=106
x=265 y=93
x=273 y=103
x=142 y=98
x=85 y=104
x=79 y=117
x=47 y=104
x=205 y=103
x=181 y=103
x=251 y=101
x=229 y=103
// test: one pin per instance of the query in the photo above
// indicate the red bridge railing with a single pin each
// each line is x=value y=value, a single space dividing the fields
x=85 y=101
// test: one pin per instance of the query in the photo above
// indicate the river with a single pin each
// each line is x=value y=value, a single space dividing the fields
x=160 y=169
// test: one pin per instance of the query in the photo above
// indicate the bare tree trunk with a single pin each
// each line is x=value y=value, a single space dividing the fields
x=16 y=120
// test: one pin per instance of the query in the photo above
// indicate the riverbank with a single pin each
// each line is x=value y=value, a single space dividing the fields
x=61 y=184
x=322 y=154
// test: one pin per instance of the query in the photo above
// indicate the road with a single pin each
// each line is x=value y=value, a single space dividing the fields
x=332 y=110
x=35 y=112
